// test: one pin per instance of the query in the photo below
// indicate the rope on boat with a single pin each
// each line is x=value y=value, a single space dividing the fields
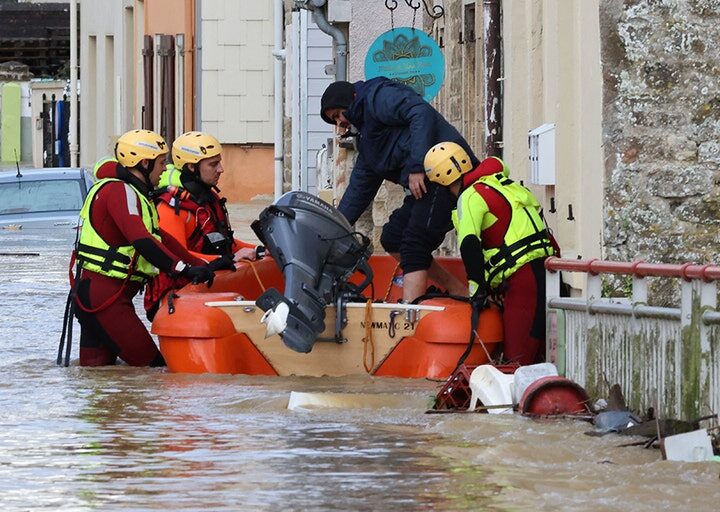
x=368 y=341
x=392 y=278
x=257 y=276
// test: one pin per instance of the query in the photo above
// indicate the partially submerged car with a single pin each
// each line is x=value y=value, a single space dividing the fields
x=42 y=198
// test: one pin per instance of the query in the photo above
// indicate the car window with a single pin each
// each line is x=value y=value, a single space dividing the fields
x=40 y=196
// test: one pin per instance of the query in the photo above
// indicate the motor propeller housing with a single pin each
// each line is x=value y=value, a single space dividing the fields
x=317 y=252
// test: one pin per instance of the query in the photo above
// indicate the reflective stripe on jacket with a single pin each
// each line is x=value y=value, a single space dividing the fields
x=96 y=255
x=526 y=238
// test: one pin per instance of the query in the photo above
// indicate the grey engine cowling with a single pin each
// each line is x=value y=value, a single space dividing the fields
x=317 y=251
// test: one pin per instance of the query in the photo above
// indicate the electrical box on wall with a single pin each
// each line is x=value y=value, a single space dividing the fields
x=541 y=141
x=339 y=11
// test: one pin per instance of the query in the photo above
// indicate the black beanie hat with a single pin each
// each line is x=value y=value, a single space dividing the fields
x=337 y=95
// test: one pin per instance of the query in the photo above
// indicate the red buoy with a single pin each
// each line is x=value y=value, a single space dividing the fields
x=552 y=396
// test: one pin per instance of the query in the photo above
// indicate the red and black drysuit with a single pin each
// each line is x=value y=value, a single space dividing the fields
x=522 y=290
x=116 y=330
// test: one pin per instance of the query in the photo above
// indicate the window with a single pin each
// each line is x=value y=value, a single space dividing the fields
x=40 y=197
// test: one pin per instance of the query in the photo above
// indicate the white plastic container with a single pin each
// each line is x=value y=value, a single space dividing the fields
x=526 y=375
x=492 y=387
x=694 y=446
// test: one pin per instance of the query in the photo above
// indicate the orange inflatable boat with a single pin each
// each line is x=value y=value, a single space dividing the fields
x=219 y=329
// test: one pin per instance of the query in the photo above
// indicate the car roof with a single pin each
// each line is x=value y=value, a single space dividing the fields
x=52 y=173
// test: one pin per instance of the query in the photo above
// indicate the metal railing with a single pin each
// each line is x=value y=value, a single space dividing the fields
x=667 y=358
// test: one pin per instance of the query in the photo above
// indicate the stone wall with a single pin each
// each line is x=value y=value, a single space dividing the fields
x=14 y=72
x=461 y=98
x=661 y=128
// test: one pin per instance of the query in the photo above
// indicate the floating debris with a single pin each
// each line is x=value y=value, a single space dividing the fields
x=19 y=254
x=695 y=446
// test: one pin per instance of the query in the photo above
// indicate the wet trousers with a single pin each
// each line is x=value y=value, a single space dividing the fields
x=115 y=331
x=524 y=314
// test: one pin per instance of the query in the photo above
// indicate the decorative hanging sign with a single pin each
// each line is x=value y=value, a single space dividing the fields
x=409 y=56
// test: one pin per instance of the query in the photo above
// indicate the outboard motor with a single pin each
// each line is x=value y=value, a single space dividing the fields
x=317 y=251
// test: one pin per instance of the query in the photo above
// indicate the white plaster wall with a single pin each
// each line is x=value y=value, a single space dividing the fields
x=553 y=75
x=318 y=131
x=237 y=77
x=102 y=81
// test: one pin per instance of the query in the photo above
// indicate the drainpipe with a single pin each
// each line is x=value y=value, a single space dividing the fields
x=73 y=85
x=197 y=89
x=493 y=90
x=318 y=15
x=279 y=54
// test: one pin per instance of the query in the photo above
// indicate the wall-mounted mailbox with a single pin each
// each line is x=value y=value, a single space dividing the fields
x=541 y=141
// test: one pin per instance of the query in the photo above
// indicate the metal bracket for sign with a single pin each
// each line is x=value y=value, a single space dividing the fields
x=437 y=10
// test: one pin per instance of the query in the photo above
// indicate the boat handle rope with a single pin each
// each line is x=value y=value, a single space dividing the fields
x=171 y=301
x=482 y=344
x=111 y=300
x=391 y=324
x=74 y=301
x=66 y=330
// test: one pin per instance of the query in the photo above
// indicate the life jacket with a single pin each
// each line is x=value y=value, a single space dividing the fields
x=106 y=167
x=169 y=177
x=212 y=233
x=94 y=254
x=526 y=238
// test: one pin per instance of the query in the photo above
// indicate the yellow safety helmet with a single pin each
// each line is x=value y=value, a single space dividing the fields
x=137 y=145
x=191 y=147
x=446 y=162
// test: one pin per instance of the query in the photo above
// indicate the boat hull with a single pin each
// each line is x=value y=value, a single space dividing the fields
x=218 y=330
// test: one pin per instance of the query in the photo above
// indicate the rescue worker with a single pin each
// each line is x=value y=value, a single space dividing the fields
x=191 y=211
x=119 y=248
x=396 y=127
x=503 y=243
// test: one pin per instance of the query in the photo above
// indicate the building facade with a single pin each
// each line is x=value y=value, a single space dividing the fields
x=108 y=56
x=551 y=78
x=625 y=93
x=628 y=93
x=174 y=66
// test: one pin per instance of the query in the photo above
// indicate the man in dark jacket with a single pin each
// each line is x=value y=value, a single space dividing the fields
x=396 y=127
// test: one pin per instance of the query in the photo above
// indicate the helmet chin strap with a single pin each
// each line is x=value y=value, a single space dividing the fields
x=145 y=171
x=192 y=171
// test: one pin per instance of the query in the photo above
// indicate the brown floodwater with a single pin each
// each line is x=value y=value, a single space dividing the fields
x=122 y=438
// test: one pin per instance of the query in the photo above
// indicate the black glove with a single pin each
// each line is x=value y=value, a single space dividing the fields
x=199 y=274
x=225 y=262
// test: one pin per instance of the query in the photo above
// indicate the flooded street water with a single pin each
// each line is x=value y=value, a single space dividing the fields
x=122 y=438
